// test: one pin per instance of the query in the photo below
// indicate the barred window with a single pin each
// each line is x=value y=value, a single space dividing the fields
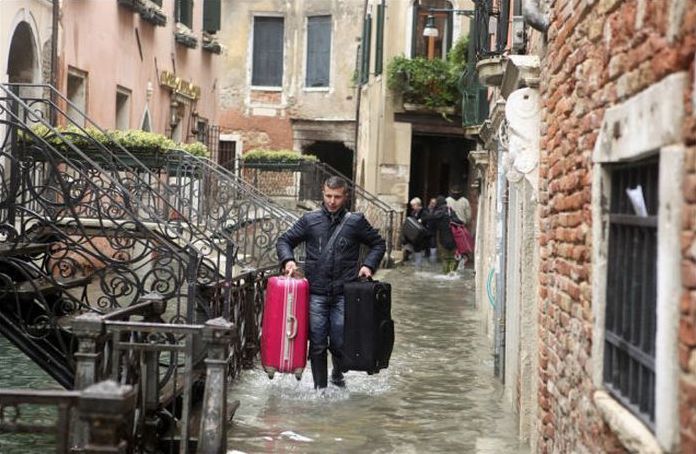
x=630 y=324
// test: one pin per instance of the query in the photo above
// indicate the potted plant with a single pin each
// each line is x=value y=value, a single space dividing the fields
x=428 y=84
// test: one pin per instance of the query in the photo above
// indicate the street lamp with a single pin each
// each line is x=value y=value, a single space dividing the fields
x=431 y=32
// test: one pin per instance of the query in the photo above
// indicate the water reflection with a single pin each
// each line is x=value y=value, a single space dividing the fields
x=438 y=394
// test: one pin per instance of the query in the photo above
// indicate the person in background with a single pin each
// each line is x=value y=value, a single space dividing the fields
x=459 y=204
x=417 y=213
x=431 y=226
x=441 y=216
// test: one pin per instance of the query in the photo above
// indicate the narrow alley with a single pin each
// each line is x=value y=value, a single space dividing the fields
x=438 y=395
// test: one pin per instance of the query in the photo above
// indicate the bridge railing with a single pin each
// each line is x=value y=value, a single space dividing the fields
x=102 y=411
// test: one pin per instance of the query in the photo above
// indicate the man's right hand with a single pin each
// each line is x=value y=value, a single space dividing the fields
x=290 y=267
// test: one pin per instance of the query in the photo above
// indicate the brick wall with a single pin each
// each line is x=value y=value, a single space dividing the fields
x=600 y=52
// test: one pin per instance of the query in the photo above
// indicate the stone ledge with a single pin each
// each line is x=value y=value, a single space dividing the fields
x=632 y=433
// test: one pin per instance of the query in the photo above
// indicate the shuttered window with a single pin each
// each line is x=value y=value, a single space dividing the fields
x=267 y=65
x=379 y=39
x=631 y=314
x=184 y=12
x=318 y=51
x=211 y=15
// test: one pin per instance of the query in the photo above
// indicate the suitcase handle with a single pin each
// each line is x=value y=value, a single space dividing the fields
x=291 y=331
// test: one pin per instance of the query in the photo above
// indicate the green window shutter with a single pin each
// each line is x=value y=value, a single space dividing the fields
x=367 y=35
x=211 y=15
x=184 y=12
x=379 y=39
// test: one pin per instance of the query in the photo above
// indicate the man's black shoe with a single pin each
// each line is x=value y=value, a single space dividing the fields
x=337 y=378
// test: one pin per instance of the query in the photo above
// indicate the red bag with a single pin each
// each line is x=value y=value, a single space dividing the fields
x=463 y=240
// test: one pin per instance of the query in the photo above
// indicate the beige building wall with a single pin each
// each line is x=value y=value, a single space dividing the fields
x=292 y=115
x=384 y=145
x=115 y=48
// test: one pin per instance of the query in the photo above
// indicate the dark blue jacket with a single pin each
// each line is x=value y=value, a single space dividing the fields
x=327 y=275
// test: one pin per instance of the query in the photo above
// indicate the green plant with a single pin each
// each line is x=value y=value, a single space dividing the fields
x=195 y=148
x=134 y=140
x=432 y=83
x=261 y=155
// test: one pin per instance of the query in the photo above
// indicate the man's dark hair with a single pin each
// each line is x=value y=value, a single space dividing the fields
x=335 y=182
x=456 y=191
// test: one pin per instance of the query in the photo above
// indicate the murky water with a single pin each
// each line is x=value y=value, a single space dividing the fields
x=17 y=371
x=438 y=395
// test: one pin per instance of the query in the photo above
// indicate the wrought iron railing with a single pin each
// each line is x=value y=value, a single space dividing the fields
x=300 y=183
x=74 y=240
x=217 y=200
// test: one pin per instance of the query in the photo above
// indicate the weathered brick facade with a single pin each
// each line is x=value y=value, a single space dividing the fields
x=600 y=53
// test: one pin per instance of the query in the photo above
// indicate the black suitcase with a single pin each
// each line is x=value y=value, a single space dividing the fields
x=369 y=329
x=413 y=230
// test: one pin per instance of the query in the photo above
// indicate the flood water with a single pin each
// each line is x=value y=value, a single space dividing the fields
x=438 y=395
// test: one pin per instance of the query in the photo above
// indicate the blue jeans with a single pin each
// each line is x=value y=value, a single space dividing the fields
x=326 y=318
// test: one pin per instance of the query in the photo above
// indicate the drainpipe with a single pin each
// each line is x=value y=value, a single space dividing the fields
x=531 y=11
x=55 y=12
x=500 y=246
x=357 y=107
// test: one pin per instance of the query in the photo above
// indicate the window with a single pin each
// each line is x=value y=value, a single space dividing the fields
x=77 y=95
x=318 y=51
x=636 y=265
x=184 y=12
x=422 y=46
x=123 y=96
x=211 y=16
x=145 y=124
x=629 y=350
x=267 y=59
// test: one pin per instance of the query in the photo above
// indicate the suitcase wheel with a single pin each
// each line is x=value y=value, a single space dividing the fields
x=298 y=374
x=270 y=371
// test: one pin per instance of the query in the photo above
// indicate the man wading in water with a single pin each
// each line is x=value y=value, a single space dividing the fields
x=327 y=270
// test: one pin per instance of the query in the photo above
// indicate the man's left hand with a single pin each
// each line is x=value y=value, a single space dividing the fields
x=365 y=272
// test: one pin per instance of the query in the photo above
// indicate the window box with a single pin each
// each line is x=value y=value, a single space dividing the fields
x=211 y=44
x=152 y=12
x=184 y=36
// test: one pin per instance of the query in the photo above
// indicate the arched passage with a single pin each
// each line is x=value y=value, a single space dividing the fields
x=335 y=154
x=23 y=61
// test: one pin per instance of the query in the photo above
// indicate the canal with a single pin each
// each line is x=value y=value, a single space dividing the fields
x=438 y=395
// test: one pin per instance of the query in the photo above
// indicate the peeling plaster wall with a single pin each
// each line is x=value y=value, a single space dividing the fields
x=263 y=117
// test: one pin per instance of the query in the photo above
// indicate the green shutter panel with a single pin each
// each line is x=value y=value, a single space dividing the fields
x=379 y=39
x=367 y=34
x=211 y=15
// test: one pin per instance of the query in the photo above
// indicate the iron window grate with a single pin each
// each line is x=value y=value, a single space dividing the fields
x=629 y=358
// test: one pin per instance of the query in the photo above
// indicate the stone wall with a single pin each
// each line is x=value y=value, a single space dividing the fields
x=600 y=53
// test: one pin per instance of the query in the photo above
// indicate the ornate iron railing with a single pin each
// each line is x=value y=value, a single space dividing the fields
x=301 y=184
x=73 y=239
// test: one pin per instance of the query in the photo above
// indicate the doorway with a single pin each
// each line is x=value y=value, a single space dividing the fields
x=335 y=154
x=437 y=164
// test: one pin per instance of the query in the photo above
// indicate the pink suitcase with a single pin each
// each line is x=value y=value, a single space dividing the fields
x=285 y=326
